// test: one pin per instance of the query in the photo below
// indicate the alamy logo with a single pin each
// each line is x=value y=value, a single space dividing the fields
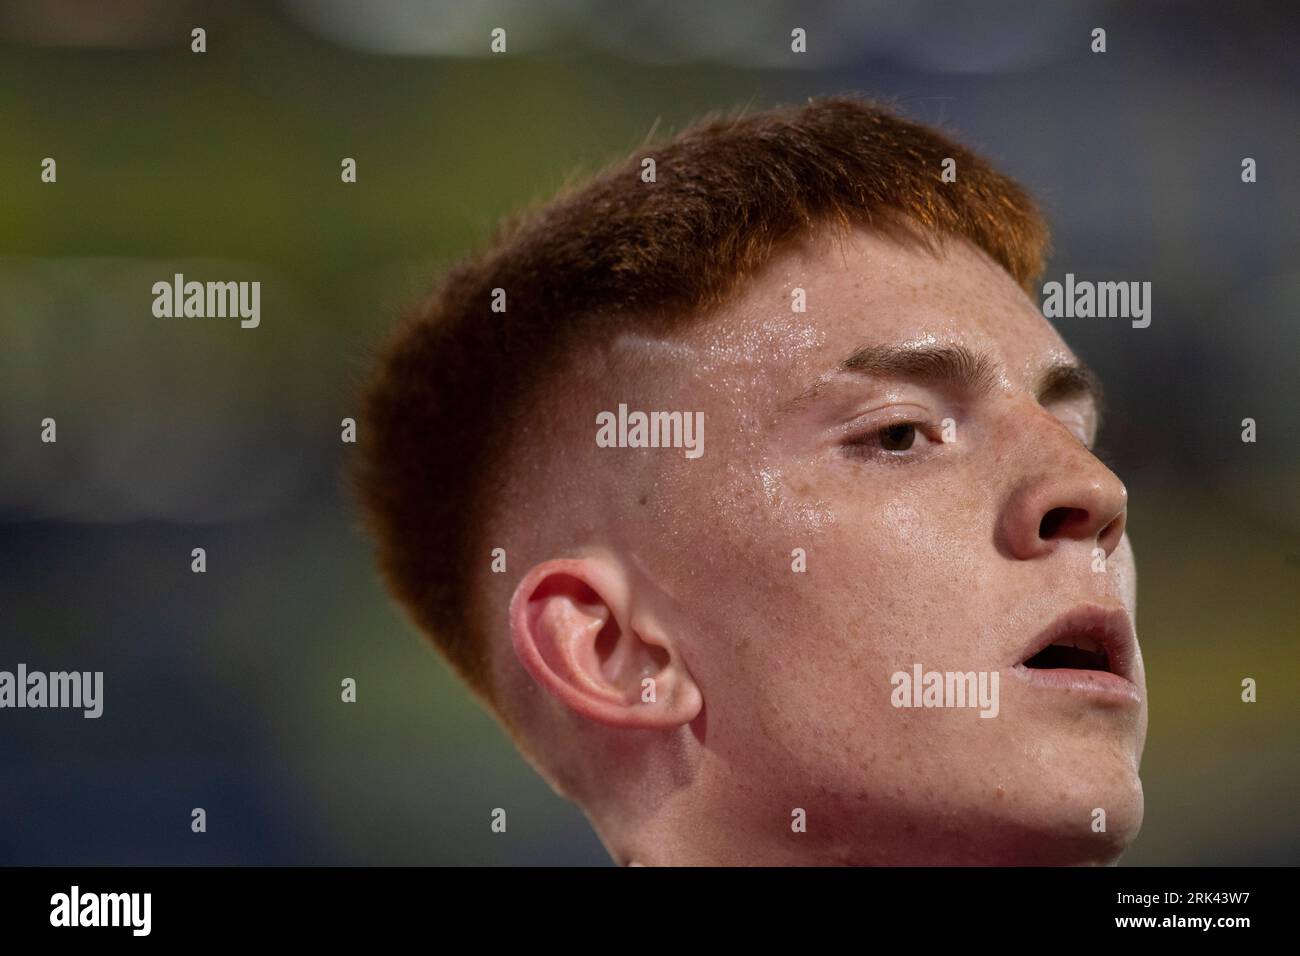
x=75 y=689
x=181 y=299
x=923 y=688
x=1102 y=300
x=75 y=908
x=651 y=430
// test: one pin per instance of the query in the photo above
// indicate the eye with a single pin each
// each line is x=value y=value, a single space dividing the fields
x=897 y=437
x=895 y=442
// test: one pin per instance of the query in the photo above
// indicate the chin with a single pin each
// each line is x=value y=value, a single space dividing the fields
x=1067 y=831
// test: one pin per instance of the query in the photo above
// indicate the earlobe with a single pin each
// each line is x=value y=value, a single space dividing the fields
x=578 y=629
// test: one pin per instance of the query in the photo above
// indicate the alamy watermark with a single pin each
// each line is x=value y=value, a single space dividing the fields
x=181 y=299
x=76 y=908
x=922 y=688
x=1102 y=300
x=82 y=690
x=651 y=430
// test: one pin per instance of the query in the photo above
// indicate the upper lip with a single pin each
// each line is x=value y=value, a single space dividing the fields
x=1110 y=627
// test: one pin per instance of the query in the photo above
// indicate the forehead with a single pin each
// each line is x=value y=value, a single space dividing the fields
x=867 y=289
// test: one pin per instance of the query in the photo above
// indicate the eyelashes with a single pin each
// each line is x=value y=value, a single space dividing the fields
x=907 y=441
x=894 y=442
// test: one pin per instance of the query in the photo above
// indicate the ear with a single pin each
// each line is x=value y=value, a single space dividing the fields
x=578 y=631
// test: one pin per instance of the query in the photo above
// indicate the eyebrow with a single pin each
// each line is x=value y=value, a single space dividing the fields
x=957 y=366
x=1066 y=380
x=953 y=365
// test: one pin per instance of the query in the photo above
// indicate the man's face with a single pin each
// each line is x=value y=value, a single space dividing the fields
x=913 y=435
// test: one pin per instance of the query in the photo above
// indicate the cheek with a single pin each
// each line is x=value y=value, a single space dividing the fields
x=902 y=573
x=902 y=534
x=816 y=583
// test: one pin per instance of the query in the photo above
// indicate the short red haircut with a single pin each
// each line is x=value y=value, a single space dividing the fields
x=619 y=254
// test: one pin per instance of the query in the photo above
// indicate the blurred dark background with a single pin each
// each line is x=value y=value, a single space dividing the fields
x=222 y=689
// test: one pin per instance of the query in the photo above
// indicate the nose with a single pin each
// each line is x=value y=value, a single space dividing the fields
x=1066 y=495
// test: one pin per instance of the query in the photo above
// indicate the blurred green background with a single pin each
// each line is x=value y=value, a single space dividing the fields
x=222 y=689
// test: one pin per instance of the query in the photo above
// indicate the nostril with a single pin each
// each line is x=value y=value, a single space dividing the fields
x=1110 y=535
x=1055 y=520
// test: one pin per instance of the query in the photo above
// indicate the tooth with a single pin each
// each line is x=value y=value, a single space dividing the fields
x=1080 y=642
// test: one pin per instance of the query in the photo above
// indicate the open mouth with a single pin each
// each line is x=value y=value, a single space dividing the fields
x=1090 y=650
x=1074 y=652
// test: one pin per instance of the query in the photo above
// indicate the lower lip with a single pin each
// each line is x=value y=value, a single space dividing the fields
x=1097 y=685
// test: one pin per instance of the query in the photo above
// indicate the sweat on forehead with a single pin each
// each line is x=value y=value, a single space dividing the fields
x=765 y=317
x=816 y=290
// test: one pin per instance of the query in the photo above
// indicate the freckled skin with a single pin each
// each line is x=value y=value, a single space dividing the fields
x=907 y=562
